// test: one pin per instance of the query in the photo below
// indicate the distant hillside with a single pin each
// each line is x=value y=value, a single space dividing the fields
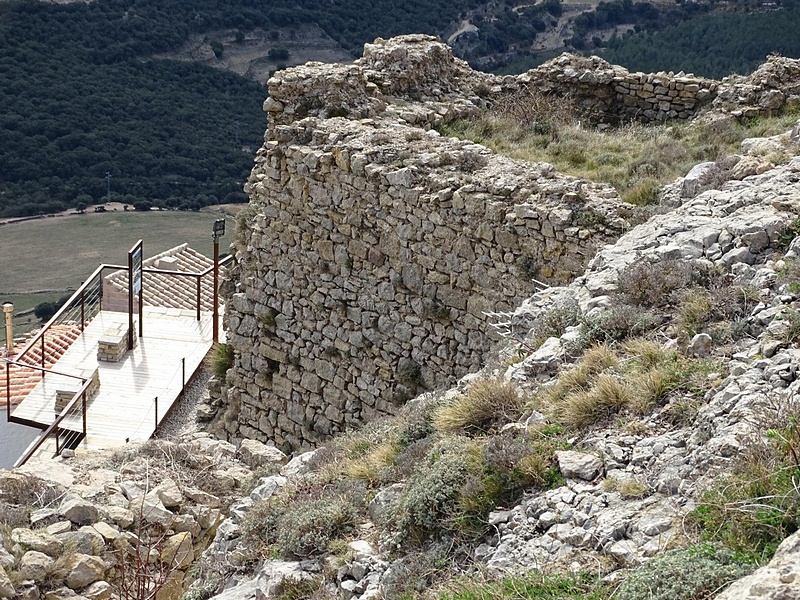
x=88 y=99
x=712 y=45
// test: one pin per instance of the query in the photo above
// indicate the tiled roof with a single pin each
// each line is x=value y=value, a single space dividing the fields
x=57 y=339
x=169 y=290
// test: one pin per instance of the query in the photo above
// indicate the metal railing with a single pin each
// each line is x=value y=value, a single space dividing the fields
x=76 y=406
x=78 y=311
x=81 y=307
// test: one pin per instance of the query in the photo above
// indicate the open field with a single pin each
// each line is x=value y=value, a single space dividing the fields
x=57 y=253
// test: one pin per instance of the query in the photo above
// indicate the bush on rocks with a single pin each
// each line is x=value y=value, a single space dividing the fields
x=694 y=573
x=307 y=527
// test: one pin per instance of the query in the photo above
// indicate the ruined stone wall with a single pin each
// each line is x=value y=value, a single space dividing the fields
x=373 y=246
x=610 y=93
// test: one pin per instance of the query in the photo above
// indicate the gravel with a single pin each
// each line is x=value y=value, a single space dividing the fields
x=183 y=418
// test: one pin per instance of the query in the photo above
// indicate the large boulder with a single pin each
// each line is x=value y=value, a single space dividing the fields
x=120 y=516
x=255 y=454
x=578 y=465
x=169 y=494
x=82 y=569
x=35 y=565
x=177 y=551
x=777 y=580
x=37 y=540
x=78 y=510
x=6 y=588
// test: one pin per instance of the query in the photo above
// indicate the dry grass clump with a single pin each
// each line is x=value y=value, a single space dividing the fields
x=627 y=487
x=487 y=403
x=606 y=396
x=366 y=454
x=646 y=353
x=636 y=159
x=639 y=378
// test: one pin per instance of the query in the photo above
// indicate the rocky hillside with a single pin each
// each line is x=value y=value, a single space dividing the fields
x=645 y=408
x=633 y=433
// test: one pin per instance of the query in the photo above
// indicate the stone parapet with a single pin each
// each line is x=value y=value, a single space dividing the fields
x=607 y=93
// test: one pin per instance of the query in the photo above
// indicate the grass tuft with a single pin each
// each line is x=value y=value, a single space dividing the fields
x=636 y=159
x=487 y=403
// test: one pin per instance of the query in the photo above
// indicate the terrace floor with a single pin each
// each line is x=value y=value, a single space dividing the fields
x=124 y=407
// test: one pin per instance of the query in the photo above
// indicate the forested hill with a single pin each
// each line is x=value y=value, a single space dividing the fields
x=80 y=96
x=713 y=45
x=80 y=99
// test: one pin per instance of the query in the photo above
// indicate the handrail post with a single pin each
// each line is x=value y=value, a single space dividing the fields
x=83 y=406
x=83 y=312
x=183 y=374
x=42 y=338
x=156 y=411
x=8 y=392
x=58 y=450
x=215 y=295
x=199 y=279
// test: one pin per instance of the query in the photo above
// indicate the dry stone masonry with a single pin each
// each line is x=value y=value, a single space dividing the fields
x=609 y=93
x=374 y=246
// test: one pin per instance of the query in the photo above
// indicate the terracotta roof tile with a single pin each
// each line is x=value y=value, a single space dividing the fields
x=57 y=340
x=169 y=290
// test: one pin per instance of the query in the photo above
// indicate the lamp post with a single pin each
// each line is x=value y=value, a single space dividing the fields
x=217 y=231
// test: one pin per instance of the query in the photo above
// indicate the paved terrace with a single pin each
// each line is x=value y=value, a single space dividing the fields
x=123 y=408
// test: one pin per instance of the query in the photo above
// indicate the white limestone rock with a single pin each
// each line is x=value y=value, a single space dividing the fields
x=255 y=454
x=78 y=510
x=579 y=465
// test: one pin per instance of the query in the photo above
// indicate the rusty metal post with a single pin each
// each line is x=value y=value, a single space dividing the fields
x=156 y=411
x=217 y=231
x=199 y=281
x=8 y=392
x=215 y=320
x=83 y=312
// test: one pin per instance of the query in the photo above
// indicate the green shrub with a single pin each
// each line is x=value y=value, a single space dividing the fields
x=412 y=575
x=222 y=359
x=260 y=527
x=643 y=193
x=791 y=318
x=555 y=321
x=653 y=285
x=306 y=527
x=616 y=324
x=429 y=505
x=753 y=511
x=529 y=586
x=695 y=573
x=524 y=461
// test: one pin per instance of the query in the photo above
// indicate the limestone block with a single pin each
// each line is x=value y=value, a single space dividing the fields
x=6 y=587
x=255 y=454
x=578 y=465
x=38 y=541
x=35 y=565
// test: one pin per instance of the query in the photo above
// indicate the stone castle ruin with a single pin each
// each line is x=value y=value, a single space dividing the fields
x=373 y=246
